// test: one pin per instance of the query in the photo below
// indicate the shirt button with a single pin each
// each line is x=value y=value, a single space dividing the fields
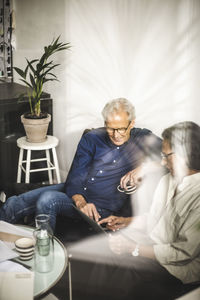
x=101 y=171
x=114 y=161
x=85 y=188
x=92 y=178
x=118 y=148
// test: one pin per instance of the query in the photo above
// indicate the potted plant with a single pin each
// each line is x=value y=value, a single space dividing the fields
x=36 y=73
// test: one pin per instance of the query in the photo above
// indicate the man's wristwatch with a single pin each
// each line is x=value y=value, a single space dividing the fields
x=135 y=252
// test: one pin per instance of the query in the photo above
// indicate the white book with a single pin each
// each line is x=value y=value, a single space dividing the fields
x=16 y=282
x=9 y=233
x=6 y=252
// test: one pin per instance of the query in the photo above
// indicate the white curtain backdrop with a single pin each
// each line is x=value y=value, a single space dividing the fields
x=144 y=50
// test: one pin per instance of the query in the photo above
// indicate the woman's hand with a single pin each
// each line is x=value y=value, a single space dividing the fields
x=115 y=223
x=119 y=244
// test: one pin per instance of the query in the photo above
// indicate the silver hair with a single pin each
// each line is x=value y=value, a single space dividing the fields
x=117 y=105
x=184 y=139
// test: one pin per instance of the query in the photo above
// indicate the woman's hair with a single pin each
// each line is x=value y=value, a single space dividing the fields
x=117 y=105
x=184 y=139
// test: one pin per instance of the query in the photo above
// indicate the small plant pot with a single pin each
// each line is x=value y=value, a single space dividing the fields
x=36 y=129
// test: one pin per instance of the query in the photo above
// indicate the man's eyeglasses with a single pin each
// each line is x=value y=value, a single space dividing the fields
x=119 y=130
x=165 y=156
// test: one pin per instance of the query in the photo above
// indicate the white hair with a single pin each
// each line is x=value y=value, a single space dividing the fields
x=117 y=105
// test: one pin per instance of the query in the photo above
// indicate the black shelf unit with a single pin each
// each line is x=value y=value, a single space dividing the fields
x=11 y=129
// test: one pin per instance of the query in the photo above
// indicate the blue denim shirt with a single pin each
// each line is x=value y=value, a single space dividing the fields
x=98 y=165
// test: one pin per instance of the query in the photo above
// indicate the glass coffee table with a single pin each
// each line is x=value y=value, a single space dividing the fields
x=45 y=281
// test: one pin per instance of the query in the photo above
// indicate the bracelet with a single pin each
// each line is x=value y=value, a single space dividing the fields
x=135 y=252
x=130 y=189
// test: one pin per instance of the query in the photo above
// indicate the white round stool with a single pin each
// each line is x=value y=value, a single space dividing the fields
x=50 y=143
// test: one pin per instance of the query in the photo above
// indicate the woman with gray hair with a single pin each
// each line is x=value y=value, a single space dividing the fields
x=184 y=140
x=160 y=251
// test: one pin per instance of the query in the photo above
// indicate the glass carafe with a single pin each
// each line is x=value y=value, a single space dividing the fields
x=44 y=245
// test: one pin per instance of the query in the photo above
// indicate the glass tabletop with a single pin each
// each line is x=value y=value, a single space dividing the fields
x=44 y=281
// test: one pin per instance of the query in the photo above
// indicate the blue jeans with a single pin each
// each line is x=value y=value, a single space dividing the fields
x=51 y=200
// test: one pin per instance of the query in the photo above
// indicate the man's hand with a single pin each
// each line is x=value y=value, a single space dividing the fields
x=132 y=178
x=79 y=200
x=87 y=208
x=90 y=210
x=114 y=223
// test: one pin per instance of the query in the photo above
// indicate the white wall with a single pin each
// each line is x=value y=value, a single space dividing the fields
x=147 y=51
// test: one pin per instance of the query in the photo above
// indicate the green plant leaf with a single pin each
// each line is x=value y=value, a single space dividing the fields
x=34 y=86
x=52 y=75
x=26 y=70
x=41 y=67
x=39 y=71
x=20 y=72
x=21 y=97
x=27 y=83
x=30 y=64
x=49 y=69
x=50 y=79
x=33 y=61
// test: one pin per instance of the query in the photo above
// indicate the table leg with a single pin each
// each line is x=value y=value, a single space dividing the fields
x=70 y=277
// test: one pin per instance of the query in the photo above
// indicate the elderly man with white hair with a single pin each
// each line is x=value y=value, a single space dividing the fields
x=104 y=155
